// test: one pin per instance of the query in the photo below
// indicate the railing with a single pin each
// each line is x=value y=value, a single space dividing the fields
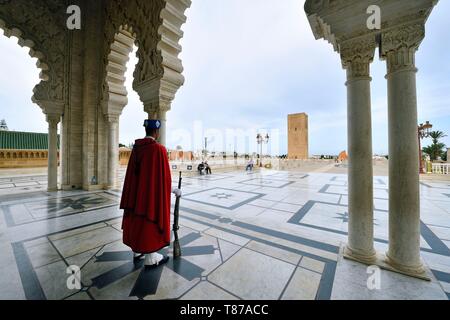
x=23 y=158
x=441 y=168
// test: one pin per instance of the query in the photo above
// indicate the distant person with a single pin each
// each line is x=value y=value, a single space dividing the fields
x=207 y=168
x=250 y=165
x=201 y=168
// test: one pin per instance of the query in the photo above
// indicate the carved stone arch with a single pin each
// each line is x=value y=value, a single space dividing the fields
x=114 y=91
x=40 y=26
x=30 y=44
x=158 y=75
x=121 y=32
x=156 y=27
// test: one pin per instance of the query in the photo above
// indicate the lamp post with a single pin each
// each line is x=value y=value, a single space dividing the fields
x=205 y=152
x=423 y=132
x=262 y=140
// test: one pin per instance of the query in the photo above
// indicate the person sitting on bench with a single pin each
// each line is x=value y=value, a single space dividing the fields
x=207 y=168
x=201 y=168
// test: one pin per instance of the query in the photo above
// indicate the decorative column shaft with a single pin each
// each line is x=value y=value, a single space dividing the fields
x=399 y=47
x=162 y=116
x=113 y=151
x=356 y=57
x=53 y=121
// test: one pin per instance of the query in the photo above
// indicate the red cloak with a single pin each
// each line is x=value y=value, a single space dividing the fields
x=146 y=198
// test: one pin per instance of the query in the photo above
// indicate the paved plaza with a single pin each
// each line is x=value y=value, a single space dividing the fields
x=264 y=235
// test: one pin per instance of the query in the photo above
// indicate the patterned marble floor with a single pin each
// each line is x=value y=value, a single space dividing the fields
x=269 y=235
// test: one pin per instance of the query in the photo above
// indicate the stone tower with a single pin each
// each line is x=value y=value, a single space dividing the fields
x=298 y=146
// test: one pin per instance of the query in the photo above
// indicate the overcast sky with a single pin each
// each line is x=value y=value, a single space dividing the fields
x=248 y=64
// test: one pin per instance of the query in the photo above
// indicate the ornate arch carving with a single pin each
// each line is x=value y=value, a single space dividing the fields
x=40 y=26
x=114 y=95
x=156 y=26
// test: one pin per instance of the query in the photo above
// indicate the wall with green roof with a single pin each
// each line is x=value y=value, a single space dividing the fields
x=24 y=140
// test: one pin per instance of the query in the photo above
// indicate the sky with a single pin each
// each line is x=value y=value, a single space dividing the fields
x=248 y=64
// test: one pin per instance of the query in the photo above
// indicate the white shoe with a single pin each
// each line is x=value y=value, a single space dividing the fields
x=153 y=259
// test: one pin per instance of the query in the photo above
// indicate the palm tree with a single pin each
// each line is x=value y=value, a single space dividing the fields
x=436 y=135
x=436 y=150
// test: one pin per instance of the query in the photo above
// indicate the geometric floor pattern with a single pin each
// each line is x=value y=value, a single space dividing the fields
x=270 y=235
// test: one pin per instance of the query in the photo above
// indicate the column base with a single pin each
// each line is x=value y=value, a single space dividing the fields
x=70 y=187
x=381 y=261
x=54 y=189
x=359 y=256
x=413 y=271
x=97 y=187
x=108 y=187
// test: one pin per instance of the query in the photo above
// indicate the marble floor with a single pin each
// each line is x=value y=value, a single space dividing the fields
x=265 y=235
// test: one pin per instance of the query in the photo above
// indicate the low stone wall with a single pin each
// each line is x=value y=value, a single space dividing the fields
x=23 y=158
x=296 y=164
x=181 y=155
x=39 y=158
x=124 y=156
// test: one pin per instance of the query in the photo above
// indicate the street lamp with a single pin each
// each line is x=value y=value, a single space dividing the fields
x=262 y=140
x=205 y=152
x=423 y=132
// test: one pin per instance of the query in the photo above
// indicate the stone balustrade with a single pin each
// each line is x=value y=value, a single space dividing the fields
x=23 y=158
x=39 y=158
x=441 y=168
x=124 y=156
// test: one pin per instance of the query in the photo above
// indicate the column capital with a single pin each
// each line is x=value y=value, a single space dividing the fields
x=156 y=95
x=114 y=104
x=51 y=108
x=112 y=118
x=356 y=56
x=53 y=118
x=399 y=45
x=160 y=114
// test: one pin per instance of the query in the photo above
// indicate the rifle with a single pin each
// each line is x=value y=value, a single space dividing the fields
x=176 y=227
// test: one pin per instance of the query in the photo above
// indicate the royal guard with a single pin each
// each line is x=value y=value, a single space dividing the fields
x=146 y=198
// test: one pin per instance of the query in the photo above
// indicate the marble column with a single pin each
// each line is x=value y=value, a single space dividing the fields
x=399 y=47
x=157 y=96
x=162 y=116
x=113 y=151
x=357 y=56
x=53 y=121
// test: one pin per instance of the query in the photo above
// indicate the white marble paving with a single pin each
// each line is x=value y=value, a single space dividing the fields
x=351 y=283
x=302 y=219
x=252 y=282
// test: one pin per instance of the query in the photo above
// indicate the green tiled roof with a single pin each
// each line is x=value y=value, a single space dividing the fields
x=24 y=140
